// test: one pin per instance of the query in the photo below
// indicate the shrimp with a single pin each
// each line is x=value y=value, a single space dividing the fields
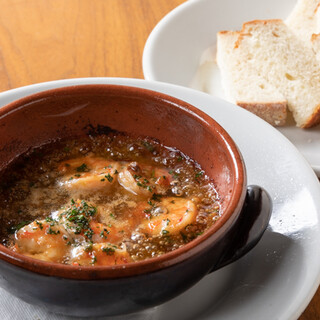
x=88 y=173
x=170 y=216
x=107 y=233
x=57 y=237
x=99 y=254
x=42 y=239
x=144 y=180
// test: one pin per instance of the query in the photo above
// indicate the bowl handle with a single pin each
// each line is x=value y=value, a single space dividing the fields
x=248 y=230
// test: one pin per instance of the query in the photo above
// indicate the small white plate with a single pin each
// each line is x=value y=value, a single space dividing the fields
x=278 y=278
x=180 y=42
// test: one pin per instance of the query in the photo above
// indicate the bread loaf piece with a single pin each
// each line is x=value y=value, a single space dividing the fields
x=315 y=40
x=243 y=85
x=277 y=55
x=304 y=19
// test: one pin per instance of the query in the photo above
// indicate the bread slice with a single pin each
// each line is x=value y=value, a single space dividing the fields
x=304 y=19
x=243 y=85
x=315 y=40
x=277 y=55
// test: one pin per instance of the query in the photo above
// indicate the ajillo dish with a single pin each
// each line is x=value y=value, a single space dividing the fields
x=130 y=278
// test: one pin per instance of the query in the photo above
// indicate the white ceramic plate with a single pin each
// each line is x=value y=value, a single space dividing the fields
x=278 y=278
x=179 y=43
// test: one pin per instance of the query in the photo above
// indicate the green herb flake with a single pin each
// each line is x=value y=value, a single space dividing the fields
x=39 y=224
x=104 y=233
x=109 y=177
x=50 y=231
x=198 y=174
x=89 y=233
x=156 y=197
x=88 y=247
x=109 y=251
x=94 y=260
x=82 y=168
x=79 y=215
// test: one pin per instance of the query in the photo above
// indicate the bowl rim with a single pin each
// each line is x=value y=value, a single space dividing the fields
x=212 y=235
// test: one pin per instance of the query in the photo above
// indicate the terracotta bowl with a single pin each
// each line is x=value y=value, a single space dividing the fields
x=112 y=290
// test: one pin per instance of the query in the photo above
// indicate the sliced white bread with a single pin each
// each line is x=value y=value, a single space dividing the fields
x=277 y=55
x=315 y=40
x=242 y=84
x=304 y=19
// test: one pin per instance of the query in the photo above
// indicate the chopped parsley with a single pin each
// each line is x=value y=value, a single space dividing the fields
x=109 y=177
x=79 y=214
x=104 y=233
x=82 y=168
x=156 y=197
x=88 y=247
x=50 y=231
x=94 y=260
x=198 y=174
x=109 y=251
x=39 y=224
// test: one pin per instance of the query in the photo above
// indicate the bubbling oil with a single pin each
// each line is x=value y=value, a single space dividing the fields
x=150 y=184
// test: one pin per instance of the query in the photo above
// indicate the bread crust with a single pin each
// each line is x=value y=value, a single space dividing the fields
x=274 y=113
x=244 y=31
x=314 y=119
